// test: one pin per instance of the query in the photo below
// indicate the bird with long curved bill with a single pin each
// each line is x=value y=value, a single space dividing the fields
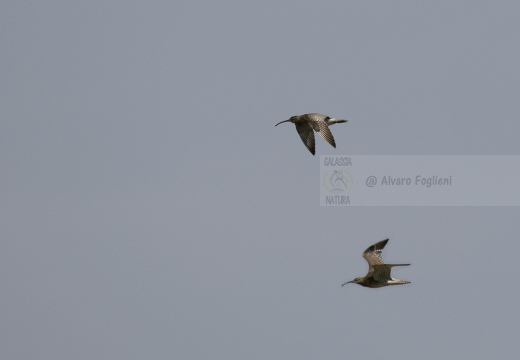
x=306 y=124
x=378 y=272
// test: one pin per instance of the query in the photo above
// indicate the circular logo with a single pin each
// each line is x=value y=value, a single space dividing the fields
x=338 y=181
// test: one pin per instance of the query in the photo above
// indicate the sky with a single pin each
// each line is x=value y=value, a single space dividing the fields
x=151 y=210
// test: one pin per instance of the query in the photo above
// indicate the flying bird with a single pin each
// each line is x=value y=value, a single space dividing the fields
x=378 y=272
x=306 y=124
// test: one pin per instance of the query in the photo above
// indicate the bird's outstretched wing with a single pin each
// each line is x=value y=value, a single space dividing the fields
x=373 y=255
x=317 y=121
x=381 y=273
x=307 y=135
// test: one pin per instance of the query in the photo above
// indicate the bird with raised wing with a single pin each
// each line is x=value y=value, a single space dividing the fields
x=378 y=272
x=306 y=124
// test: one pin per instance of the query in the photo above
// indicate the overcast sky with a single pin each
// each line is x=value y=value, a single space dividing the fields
x=151 y=210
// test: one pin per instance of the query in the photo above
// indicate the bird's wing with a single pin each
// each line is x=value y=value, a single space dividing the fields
x=373 y=254
x=319 y=125
x=307 y=135
x=381 y=273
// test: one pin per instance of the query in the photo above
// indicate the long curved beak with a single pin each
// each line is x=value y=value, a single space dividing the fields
x=348 y=282
x=282 y=122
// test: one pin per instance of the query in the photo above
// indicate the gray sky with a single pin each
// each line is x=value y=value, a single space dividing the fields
x=151 y=210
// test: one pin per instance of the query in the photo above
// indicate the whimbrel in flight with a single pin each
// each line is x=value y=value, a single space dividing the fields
x=378 y=272
x=306 y=124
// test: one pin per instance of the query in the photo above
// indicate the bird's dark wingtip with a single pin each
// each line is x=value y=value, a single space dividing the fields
x=377 y=246
x=382 y=243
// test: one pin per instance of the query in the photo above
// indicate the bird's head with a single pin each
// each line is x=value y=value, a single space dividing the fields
x=292 y=119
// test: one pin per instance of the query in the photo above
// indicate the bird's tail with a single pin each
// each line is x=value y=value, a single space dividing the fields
x=332 y=121
x=398 y=282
